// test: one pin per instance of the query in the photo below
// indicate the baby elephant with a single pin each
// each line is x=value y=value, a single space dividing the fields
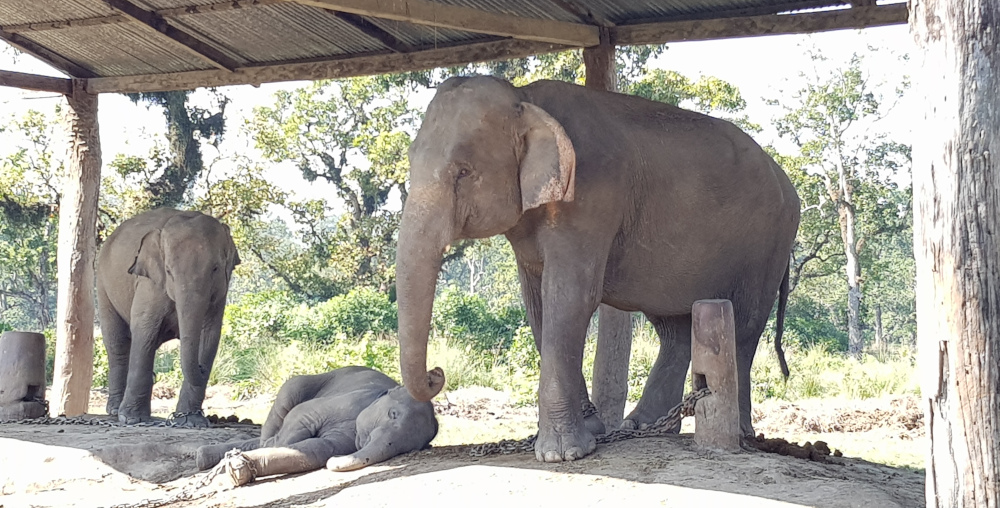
x=348 y=418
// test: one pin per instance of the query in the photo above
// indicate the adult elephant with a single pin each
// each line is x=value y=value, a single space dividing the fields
x=161 y=275
x=604 y=198
x=345 y=419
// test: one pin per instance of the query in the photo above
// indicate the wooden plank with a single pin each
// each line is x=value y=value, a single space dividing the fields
x=70 y=23
x=424 y=12
x=35 y=82
x=158 y=24
x=57 y=61
x=374 y=31
x=73 y=368
x=956 y=213
x=772 y=24
x=325 y=69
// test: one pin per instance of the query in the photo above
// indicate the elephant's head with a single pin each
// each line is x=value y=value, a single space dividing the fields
x=192 y=258
x=481 y=158
x=392 y=425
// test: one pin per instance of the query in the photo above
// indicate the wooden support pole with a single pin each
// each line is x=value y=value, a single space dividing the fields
x=713 y=364
x=614 y=327
x=74 y=360
x=956 y=216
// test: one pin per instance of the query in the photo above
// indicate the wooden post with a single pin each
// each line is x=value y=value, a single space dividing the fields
x=956 y=205
x=614 y=327
x=614 y=350
x=713 y=364
x=73 y=370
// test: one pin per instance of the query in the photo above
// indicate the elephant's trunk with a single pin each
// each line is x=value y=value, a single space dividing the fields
x=424 y=232
x=380 y=448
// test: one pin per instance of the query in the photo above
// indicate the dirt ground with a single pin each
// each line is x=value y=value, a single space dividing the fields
x=90 y=466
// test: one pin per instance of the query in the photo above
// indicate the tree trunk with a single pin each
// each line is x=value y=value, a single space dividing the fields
x=879 y=344
x=614 y=330
x=956 y=202
x=848 y=223
x=74 y=360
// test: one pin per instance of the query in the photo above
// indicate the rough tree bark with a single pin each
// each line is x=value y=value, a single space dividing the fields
x=956 y=201
x=614 y=331
x=74 y=360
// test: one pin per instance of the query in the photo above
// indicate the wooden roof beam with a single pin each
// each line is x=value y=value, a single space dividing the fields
x=383 y=63
x=42 y=53
x=158 y=24
x=36 y=82
x=374 y=31
x=771 y=24
x=424 y=12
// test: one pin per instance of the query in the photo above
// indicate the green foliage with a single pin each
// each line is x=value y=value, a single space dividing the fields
x=29 y=198
x=846 y=173
x=345 y=318
x=468 y=319
x=354 y=135
x=819 y=373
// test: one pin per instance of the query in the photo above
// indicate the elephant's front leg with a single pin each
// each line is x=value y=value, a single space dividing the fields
x=135 y=405
x=569 y=295
x=531 y=294
x=115 y=335
x=197 y=357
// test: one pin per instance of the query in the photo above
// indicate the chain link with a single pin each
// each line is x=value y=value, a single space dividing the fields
x=190 y=492
x=662 y=426
x=101 y=421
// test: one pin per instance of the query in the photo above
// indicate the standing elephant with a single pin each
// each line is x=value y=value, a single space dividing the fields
x=347 y=419
x=161 y=275
x=606 y=198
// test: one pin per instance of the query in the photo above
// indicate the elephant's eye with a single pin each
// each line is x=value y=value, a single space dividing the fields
x=463 y=172
x=392 y=414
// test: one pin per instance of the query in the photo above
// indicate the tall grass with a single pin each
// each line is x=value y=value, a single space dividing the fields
x=257 y=359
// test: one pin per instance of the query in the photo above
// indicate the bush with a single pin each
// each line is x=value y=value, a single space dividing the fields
x=468 y=320
x=348 y=317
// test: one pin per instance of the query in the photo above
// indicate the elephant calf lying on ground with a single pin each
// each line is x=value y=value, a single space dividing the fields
x=347 y=419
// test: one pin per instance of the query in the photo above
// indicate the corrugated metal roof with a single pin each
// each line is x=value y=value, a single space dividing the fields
x=253 y=33
x=118 y=50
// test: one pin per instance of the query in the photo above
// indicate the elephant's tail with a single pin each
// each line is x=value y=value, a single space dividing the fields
x=779 y=327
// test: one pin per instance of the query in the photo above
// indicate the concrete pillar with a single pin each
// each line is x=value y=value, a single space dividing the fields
x=614 y=335
x=713 y=364
x=22 y=375
x=73 y=372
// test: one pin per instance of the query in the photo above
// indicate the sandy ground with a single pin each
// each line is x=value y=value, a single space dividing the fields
x=88 y=466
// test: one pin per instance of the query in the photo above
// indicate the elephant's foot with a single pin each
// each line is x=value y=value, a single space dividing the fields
x=594 y=424
x=568 y=443
x=113 y=404
x=133 y=419
x=639 y=419
x=239 y=468
x=191 y=419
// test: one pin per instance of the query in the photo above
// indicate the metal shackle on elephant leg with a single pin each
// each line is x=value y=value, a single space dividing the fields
x=713 y=364
x=22 y=375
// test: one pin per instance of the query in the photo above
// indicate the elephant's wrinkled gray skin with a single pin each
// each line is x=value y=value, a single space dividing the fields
x=347 y=419
x=606 y=198
x=161 y=275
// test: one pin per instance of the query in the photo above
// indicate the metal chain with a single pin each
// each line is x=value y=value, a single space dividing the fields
x=662 y=426
x=190 y=492
x=108 y=422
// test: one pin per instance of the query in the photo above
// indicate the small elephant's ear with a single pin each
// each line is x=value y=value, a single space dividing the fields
x=548 y=163
x=149 y=259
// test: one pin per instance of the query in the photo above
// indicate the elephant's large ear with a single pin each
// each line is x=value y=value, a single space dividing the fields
x=548 y=163
x=149 y=259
